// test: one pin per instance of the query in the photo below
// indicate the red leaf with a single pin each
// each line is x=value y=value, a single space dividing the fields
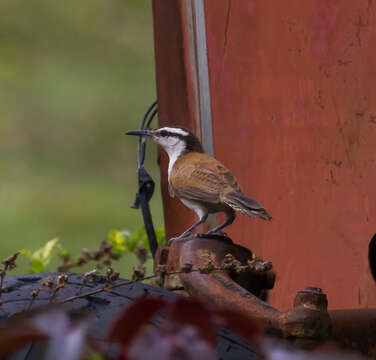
x=13 y=338
x=128 y=324
x=192 y=312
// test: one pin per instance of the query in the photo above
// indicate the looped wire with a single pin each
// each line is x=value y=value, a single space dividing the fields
x=145 y=182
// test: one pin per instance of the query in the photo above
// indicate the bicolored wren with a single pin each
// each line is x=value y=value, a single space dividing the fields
x=201 y=182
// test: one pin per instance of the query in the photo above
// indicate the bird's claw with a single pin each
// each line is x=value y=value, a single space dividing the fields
x=217 y=233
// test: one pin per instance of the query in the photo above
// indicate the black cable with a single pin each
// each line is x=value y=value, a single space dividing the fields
x=145 y=182
x=141 y=140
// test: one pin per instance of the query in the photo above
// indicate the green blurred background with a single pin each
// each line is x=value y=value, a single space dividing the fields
x=73 y=77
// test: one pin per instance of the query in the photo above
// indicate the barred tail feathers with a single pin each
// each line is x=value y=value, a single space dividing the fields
x=246 y=206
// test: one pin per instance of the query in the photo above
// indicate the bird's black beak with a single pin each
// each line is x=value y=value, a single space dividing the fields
x=139 y=132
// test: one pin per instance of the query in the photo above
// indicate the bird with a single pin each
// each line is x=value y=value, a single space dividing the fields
x=200 y=181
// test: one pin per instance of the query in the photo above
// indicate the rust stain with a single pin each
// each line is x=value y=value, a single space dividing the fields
x=318 y=100
x=359 y=24
x=332 y=179
x=344 y=62
x=227 y=24
x=340 y=130
x=353 y=140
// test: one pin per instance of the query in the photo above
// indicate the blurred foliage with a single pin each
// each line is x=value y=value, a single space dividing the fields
x=40 y=258
x=72 y=80
x=122 y=243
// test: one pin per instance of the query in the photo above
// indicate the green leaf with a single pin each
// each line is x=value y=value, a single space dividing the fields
x=41 y=257
x=62 y=252
x=47 y=250
x=118 y=240
x=27 y=253
x=143 y=238
x=133 y=242
x=37 y=266
x=161 y=236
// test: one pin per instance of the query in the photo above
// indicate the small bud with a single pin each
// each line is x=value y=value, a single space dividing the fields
x=48 y=282
x=207 y=269
x=10 y=261
x=112 y=274
x=34 y=293
x=82 y=260
x=256 y=265
x=142 y=254
x=138 y=273
x=228 y=262
x=61 y=281
x=106 y=246
x=207 y=261
x=91 y=277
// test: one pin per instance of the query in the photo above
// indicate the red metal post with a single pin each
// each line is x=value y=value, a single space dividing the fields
x=294 y=117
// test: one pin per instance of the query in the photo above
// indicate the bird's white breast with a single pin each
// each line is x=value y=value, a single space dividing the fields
x=173 y=153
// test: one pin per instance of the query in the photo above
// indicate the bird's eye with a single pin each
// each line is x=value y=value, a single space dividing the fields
x=163 y=133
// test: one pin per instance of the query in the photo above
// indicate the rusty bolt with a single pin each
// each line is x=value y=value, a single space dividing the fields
x=312 y=298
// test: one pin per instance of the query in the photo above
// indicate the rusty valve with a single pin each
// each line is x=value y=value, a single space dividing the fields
x=311 y=298
x=308 y=321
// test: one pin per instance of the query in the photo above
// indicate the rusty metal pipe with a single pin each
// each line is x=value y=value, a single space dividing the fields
x=307 y=320
x=307 y=323
x=220 y=289
x=355 y=329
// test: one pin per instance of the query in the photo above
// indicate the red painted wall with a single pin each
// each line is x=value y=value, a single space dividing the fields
x=294 y=108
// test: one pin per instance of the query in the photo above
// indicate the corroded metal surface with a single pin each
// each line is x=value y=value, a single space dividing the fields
x=307 y=323
x=308 y=319
x=355 y=329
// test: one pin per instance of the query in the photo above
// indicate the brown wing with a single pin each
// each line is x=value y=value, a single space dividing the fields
x=197 y=183
x=204 y=179
x=229 y=180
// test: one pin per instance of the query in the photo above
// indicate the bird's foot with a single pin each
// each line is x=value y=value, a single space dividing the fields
x=182 y=237
x=217 y=233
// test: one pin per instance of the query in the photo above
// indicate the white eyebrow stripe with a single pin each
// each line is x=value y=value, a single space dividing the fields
x=176 y=131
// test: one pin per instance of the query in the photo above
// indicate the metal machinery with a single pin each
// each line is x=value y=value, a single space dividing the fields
x=283 y=95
